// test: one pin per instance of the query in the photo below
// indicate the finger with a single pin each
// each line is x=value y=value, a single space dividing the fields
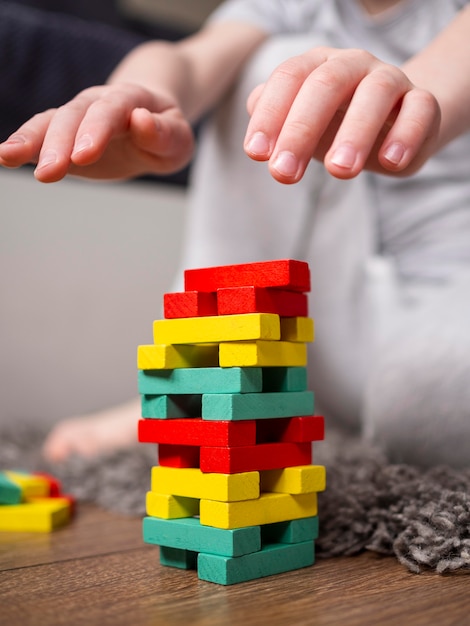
x=272 y=104
x=24 y=145
x=166 y=138
x=317 y=103
x=253 y=98
x=413 y=132
x=370 y=109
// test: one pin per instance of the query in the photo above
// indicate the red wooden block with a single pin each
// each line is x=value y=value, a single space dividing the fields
x=236 y=300
x=170 y=455
x=197 y=432
x=284 y=273
x=189 y=304
x=293 y=429
x=55 y=488
x=252 y=458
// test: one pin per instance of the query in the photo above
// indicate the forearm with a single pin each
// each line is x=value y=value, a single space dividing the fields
x=443 y=68
x=195 y=72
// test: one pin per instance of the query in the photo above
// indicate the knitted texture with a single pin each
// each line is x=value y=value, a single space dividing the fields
x=421 y=517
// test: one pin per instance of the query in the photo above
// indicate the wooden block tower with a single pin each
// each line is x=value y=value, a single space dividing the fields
x=224 y=395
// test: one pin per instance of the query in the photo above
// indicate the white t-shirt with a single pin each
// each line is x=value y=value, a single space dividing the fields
x=423 y=220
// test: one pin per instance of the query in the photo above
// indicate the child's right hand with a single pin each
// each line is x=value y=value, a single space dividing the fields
x=110 y=132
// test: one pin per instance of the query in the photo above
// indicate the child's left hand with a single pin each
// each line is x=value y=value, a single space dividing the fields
x=344 y=107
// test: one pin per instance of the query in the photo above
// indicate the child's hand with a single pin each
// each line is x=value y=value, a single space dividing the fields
x=113 y=131
x=344 y=107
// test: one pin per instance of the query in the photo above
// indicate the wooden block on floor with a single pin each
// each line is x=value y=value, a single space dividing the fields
x=214 y=329
x=299 y=479
x=295 y=429
x=297 y=329
x=262 y=354
x=284 y=379
x=189 y=534
x=235 y=300
x=251 y=458
x=230 y=406
x=197 y=432
x=291 y=531
x=176 y=557
x=170 y=507
x=193 y=483
x=31 y=485
x=10 y=491
x=166 y=357
x=284 y=273
x=271 y=559
x=176 y=455
x=37 y=515
x=200 y=380
x=189 y=304
x=267 y=509
x=171 y=406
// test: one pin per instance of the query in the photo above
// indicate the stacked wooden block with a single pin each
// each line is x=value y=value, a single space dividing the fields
x=224 y=395
x=32 y=502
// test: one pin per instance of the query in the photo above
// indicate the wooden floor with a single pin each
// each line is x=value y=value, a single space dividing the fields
x=98 y=572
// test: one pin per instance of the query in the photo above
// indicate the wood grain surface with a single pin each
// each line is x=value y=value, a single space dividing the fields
x=98 y=571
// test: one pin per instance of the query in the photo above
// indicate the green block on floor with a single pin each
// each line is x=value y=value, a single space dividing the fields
x=271 y=559
x=247 y=406
x=10 y=492
x=189 y=534
x=194 y=380
x=294 y=531
x=284 y=379
x=175 y=557
x=166 y=407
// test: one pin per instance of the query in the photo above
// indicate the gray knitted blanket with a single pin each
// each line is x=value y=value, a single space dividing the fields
x=421 y=517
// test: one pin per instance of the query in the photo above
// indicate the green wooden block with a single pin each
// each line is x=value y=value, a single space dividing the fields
x=10 y=492
x=271 y=559
x=190 y=380
x=284 y=379
x=229 y=406
x=175 y=406
x=293 y=531
x=175 y=557
x=189 y=534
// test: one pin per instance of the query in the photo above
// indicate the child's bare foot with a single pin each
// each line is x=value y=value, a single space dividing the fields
x=94 y=434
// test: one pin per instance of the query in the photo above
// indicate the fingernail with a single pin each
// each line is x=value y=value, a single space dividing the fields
x=16 y=139
x=286 y=164
x=84 y=142
x=258 y=144
x=48 y=157
x=344 y=156
x=394 y=153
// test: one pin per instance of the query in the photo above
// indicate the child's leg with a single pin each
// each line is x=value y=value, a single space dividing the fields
x=417 y=401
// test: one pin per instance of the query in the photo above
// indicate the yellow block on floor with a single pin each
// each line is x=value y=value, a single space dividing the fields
x=37 y=515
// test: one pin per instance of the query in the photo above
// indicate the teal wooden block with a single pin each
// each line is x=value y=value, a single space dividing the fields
x=175 y=557
x=271 y=559
x=284 y=379
x=229 y=406
x=176 y=406
x=10 y=492
x=189 y=534
x=293 y=531
x=190 y=380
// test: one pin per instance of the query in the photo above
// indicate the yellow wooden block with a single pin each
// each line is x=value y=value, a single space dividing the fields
x=31 y=486
x=267 y=509
x=169 y=357
x=298 y=479
x=38 y=515
x=193 y=483
x=297 y=329
x=217 y=328
x=263 y=354
x=170 y=507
